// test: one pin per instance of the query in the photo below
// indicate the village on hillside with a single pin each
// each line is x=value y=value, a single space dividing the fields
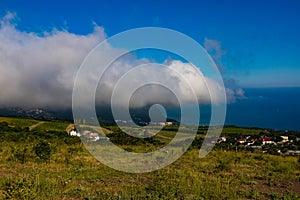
x=268 y=141
x=271 y=143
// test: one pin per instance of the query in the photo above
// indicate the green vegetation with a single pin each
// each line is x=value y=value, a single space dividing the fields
x=52 y=126
x=22 y=123
x=47 y=163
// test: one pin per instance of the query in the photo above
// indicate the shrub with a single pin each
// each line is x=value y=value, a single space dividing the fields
x=43 y=150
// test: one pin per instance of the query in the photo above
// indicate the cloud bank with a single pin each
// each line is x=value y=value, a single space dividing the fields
x=38 y=70
x=176 y=77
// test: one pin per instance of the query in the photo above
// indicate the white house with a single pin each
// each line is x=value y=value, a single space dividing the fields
x=74 y=133
x=284 y=139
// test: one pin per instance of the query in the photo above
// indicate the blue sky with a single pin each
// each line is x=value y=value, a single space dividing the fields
x=260 y=41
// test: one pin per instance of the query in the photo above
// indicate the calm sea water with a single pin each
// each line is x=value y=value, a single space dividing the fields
x=277 y=108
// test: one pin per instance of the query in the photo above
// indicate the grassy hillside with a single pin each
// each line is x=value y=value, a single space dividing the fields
x=19 y=122
x=46 y=163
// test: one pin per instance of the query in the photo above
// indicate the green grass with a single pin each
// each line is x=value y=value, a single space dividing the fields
x=242 y=131
x=72 y=173
x=19 y=122
x=52 y=126
x=221 y=175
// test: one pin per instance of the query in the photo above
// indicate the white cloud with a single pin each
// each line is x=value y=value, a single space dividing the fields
x=176 y=75
x=240 y=93
x=38 y=70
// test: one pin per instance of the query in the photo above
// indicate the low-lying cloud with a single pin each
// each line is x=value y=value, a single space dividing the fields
x=38 y=70
x=176 y=77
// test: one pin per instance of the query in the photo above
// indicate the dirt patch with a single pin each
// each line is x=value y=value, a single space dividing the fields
x=35 y=125
x=70 y=128
x=280 y=186
x=295 y=187
x=165 y=137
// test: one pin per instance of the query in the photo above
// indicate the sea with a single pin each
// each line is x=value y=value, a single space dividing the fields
x=276 y=108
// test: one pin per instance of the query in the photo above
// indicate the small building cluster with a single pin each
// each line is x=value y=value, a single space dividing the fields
x=266 y=144
x=130 y=122
x=88 y=134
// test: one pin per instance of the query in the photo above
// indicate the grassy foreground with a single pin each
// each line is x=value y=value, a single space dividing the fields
x=67 y=171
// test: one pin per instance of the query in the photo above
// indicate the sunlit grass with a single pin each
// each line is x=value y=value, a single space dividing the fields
x=19 y=122
x=72 y=173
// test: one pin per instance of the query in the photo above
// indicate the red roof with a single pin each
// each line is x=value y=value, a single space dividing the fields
x=265 y=138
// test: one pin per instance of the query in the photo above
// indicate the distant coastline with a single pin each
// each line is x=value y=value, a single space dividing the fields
x=273 y=108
